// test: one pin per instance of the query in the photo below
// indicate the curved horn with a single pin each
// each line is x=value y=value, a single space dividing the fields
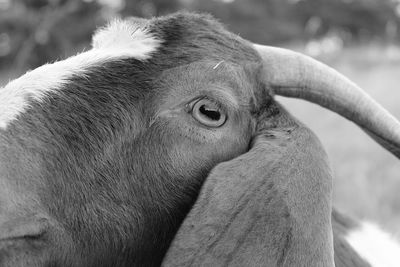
x=296 y=75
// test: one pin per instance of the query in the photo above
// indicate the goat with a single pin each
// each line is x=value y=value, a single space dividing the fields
x=163 y=144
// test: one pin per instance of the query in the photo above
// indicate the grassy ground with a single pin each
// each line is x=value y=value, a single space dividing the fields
x=367 y=178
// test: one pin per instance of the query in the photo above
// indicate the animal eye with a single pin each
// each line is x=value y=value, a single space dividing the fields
x=208 y=113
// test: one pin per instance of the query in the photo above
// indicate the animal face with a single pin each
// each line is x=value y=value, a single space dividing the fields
x=103 y=154
x=107 y=150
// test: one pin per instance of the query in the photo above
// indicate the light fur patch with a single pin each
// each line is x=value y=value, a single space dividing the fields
x=117 y=41
x=375 y=246
x=126 y=36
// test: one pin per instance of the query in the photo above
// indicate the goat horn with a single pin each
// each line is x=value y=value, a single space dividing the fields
x=292 y=74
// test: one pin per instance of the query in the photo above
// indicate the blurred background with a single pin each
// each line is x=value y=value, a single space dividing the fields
x=360 y=38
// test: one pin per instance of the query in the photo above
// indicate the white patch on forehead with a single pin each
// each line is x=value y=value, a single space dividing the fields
x=119 y=40
x=126 y=35
x=376 y=247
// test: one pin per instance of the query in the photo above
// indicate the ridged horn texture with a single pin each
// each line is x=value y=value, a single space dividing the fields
x=292 y=74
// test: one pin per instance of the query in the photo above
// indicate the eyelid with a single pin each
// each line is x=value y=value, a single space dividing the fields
x=218 y=104
x=223 y=96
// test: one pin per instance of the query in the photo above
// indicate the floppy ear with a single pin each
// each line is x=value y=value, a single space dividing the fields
x=268 y=207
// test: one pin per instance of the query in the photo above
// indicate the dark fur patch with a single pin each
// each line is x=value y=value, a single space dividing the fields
x=106 y=175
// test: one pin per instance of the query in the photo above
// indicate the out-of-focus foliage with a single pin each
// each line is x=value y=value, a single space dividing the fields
x=272 y=21
x=33 y=32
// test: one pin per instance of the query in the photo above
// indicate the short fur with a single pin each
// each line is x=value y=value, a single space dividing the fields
x=97 y=173
x=134 y=42
x=101 y=172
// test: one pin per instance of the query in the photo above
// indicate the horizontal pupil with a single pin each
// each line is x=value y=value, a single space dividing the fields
x=210 y=113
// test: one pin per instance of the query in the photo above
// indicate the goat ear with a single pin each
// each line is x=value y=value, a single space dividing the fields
x=270 y=206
